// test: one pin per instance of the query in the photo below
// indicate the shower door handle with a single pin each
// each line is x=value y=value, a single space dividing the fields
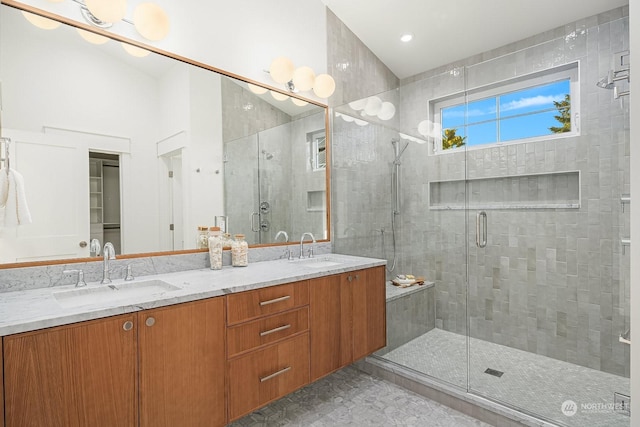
x=481 y=217
x=253 y=223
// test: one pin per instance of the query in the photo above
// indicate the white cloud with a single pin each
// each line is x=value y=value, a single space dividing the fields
x=531 y=102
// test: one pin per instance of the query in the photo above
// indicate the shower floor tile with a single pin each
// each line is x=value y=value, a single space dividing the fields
x=531 y=382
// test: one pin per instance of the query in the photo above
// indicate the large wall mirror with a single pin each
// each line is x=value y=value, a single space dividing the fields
x=142 y=150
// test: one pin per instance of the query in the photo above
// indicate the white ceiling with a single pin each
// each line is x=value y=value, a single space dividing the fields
x=449 y=30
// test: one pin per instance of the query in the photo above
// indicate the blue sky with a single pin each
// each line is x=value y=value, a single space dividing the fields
x=523 y=114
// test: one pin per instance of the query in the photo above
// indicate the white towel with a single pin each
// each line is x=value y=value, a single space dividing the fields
x=13 y=199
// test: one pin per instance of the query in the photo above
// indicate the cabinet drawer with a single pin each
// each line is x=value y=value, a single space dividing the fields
x=250 y=305
x=268 y=374
x=248 y=336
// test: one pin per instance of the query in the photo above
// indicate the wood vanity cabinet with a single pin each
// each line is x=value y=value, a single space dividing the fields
x=1 y=392
x=267 y=344
x=347 y=318
x=77 y=375
x=86 y=374
x=182 y=365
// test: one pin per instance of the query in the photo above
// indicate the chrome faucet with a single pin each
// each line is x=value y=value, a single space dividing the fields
x=109 y=253
x=302 y=242
x=281 y=233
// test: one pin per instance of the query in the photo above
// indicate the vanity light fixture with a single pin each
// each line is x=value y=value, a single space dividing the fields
x=301 y=79
x=149 y=19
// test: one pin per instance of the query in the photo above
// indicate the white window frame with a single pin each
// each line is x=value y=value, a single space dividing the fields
x=316 y=139
x=570 y=70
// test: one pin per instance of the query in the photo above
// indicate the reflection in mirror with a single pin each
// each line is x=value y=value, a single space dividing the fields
x=141 y=151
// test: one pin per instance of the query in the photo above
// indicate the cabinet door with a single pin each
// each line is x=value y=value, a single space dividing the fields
x=330 y=324
x=77 y=375
x=369 y=311
x=182 y=362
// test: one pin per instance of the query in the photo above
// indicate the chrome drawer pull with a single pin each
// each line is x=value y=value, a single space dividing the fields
x=275 y=374
x=278 y=329
x=272 y=301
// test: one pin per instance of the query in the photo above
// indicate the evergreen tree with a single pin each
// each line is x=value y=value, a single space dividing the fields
x=564 y=117
x=450 y=139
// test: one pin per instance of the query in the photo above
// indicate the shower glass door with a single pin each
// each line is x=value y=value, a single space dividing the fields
x=547 y=166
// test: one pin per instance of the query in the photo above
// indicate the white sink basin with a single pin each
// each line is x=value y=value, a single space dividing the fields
x=114 y=292
x=319 y=262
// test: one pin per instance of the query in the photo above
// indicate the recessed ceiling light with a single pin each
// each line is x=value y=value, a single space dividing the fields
x=407 y=37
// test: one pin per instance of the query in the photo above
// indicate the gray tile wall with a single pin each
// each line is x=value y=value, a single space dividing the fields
x=550 y=281
x=357 y=71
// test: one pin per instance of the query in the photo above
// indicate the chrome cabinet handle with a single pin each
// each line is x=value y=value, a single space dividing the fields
x=150 y=321
x=128 y=325
x=273 y=301
x=275 y=374
x=274 y=330
x=482 y=215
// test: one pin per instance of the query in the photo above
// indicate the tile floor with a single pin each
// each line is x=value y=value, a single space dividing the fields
x=350 y=397
x=532 y=382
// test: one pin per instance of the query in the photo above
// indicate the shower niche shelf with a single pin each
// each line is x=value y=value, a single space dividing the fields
x=554 y=190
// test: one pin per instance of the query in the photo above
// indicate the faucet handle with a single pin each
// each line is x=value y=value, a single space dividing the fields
x=310 y=253
x=129 y=277
x=80 y=283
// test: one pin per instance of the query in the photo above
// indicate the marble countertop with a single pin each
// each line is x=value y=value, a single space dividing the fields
x=29 y=310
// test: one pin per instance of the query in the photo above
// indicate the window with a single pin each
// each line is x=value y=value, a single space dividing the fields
x=318 y=142
x=540 y=106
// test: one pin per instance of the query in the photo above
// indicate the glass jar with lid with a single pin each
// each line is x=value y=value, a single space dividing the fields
x=202 y=239
x=239 y=251
x=215 y=248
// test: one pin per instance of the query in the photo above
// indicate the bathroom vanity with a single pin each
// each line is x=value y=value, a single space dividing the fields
x=215 y=347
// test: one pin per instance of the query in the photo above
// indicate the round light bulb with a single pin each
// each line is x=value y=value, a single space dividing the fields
x=258 y=90
x=359 y=104
x=92 y=38
x=424 y=127
x=281 y=69
x=279 y=96
x=136 y=51
x=151 y=21
x=374 y=104
x=299 y=102
x=361 y=122
x=387 y=111
x=324 y=86
x=107 y=10
x=303 y=78
x=347 y=119
x=40 y=21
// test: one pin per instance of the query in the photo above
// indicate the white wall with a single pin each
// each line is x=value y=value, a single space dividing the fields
x=634 y=30
x=239 y=36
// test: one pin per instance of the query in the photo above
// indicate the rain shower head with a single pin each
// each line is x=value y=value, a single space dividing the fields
x=605 y=82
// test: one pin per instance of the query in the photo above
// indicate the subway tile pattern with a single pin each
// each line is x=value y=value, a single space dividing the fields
x=554 y=282
x=351 y=397
x=529 y=381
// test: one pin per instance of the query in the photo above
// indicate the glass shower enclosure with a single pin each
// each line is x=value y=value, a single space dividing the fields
x=520 y=231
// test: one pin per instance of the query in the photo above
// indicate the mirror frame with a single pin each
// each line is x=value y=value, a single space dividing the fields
x=76 y=24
